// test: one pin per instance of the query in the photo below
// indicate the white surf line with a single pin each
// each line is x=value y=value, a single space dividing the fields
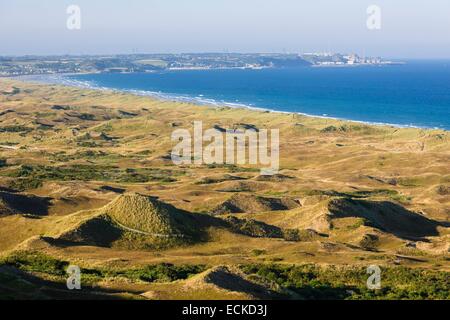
x=148 y=233
x=90 y=85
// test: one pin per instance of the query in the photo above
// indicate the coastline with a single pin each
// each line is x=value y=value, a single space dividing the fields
x=122 y=141
x=60 y=79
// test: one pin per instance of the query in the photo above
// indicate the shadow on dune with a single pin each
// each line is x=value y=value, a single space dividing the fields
x=15 y=203
x=386 y=216
x=94 y=232
x=235 y=283
x=25 y=286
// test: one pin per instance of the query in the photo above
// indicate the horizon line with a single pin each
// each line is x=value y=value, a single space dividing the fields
x=205 y=52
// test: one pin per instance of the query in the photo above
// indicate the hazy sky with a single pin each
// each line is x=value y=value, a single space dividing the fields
x=409 y=28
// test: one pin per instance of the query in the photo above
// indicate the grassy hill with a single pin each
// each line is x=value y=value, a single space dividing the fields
x=86 y=177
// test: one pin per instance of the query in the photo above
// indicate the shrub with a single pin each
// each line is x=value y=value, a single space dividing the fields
x=15 y=128
x=291 y=235
x=87 y=116
x=26 y=184
x=31 y=261
x=369 y=242
x=36 y=262
x=258 y=252
x=164 y=272
x=315 y=282
x=36 y=174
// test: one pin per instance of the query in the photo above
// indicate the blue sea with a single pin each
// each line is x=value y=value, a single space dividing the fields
x=415 y=94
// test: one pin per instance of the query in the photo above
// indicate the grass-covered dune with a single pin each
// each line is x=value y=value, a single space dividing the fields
x=86 y=178
x=44 y=278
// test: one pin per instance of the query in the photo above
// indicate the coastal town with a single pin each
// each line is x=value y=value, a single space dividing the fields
x=337 y=59
x=131 y=63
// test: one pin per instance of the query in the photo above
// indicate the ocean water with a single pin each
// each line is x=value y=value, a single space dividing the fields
x=416 y=94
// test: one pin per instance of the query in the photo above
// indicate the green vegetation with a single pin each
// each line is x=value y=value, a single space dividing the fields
x=102 y=156
x=88 y=144
x=151 y=217
x=30 y=261
x=375 y=202
x=26 y=184
x=107 y=127
x=87 y=116
x=32 y=175
x=165 y=272
x=212 y=180
x=258 y=252
x=354 y=194
x=3 y=163
x=232 y=168
x=291 y=235
x=15 y=128
x=35 y=262
x=359 y=223
x=314 y=282
x=146 y=175
x=301 y=281
x=362 y=129
x=410 y=182
x=361 y=194
x=300 y=235
x=401 y=198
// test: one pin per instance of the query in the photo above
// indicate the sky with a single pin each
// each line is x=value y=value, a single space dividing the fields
x=409 y=28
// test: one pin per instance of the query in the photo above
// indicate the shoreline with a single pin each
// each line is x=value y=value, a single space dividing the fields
x=59 y=79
